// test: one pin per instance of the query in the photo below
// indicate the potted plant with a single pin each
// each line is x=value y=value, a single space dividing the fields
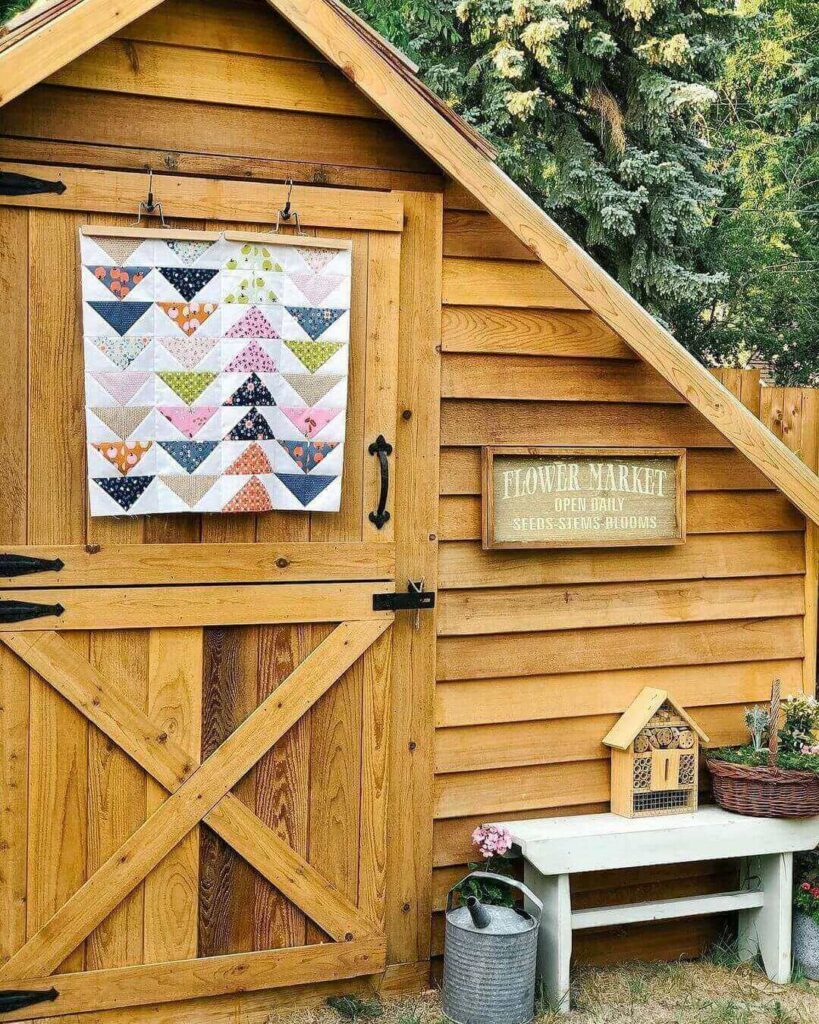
x=806 y=914
x=777 y=780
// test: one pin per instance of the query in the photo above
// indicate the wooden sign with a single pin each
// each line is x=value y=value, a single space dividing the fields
x=583 y=497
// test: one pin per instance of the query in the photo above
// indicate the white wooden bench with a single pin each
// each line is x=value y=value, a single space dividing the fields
x=554 y=848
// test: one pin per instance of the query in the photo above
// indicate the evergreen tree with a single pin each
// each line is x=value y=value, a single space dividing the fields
x=598 y=109
x=767 y=237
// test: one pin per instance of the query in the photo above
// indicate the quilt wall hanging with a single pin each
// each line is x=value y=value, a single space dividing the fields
x=215 y=371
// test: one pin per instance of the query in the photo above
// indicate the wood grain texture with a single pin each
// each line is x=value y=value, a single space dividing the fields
x=529 y=332
x=207 y=76
x=470 y=422
x=500 y=283
x=14 y=677
x=481 y=236
x=564 y=379
x=496 y=610
x=563 y=695
x=121 y=192
x=184 y=979
x=707 y=469
x=620 y=647
x=54 y=113
x=706 y=512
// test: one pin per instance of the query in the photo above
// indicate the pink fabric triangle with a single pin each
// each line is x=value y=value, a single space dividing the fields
x=121 y=386
x=316 y=258
x=316 y=289
x=252 y=357
x=188 y=351
x=188 y=421
x=254 y=324
x=309 y=421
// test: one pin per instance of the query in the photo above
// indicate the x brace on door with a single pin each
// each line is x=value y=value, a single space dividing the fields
x=198 y=794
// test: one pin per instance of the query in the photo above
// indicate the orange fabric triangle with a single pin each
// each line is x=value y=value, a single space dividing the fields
x=252 y=498
x=252 y=460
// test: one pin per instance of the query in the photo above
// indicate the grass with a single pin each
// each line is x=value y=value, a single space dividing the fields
x=716 y=990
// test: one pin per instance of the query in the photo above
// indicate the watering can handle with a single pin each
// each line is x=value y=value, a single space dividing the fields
x=512 y=882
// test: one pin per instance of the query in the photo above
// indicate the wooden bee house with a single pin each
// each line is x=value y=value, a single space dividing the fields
x=654 y=757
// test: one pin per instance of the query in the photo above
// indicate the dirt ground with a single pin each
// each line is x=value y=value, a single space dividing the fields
x=681 y=993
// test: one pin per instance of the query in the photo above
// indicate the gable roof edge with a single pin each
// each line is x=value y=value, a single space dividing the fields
x=323 y=26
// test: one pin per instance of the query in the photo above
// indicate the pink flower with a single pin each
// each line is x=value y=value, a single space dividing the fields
x=814 y=892
x=491 y=840
x=806 y=886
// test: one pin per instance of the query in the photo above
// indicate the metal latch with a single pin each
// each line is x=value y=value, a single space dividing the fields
x=414 y=599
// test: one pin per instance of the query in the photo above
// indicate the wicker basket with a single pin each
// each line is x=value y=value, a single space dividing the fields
x=765 y=792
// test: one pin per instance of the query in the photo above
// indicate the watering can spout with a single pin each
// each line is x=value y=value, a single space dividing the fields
x=478 y=912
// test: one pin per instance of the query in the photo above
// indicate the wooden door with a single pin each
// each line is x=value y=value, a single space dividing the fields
x=194 y=753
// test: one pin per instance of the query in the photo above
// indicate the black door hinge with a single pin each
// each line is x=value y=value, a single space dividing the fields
x=414 y=599
x=17 y=999
x=25 y=565
x=21 y=611
x=12 y=184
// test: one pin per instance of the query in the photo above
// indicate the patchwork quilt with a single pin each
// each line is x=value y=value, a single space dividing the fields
x=215 y=372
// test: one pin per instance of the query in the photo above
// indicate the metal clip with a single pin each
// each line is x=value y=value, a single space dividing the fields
x=419 y=589
x=287 y=211
x=148 y=206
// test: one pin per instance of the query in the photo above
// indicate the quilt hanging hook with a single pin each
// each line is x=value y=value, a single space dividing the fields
x=287 y=212
x=148 y=206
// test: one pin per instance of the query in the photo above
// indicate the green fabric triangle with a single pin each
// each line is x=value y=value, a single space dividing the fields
x=187 y=384
x=313 y=354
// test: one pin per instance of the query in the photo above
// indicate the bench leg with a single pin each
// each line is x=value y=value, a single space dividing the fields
x=767 y=929
x=554 y=948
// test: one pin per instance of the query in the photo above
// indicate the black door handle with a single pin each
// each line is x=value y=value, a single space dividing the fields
x=16 y=999
x=21 y=611
x=382 y=448
x=25 y=565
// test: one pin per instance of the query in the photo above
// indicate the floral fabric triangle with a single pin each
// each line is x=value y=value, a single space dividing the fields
x=125 y=491
x=309 y=421
x=123 y=386
x=122 y=351
x=314 y=321
x=252 y=460
x=308 y=454
x=188 y=351
x=188 y=316
x=253 y=392
x=120 y=281
x=253 y=324
x=188 y=384
x=188 y=281
x=252 y=357
x=125 y=455
x=188 y=252
x=252 y=427
x=189 y=454
x=251 y=498
x=313 y=354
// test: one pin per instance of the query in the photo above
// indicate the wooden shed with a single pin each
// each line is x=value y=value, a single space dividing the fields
x=347 y=750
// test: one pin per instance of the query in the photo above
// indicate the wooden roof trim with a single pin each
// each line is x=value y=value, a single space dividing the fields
x=63 y=33
x=639 y=713
x=321 y=23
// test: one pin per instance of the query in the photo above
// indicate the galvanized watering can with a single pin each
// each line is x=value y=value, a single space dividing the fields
x=489 y=959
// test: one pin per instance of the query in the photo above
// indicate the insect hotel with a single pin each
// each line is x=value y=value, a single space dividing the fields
x=654 y=757
x=345 y=503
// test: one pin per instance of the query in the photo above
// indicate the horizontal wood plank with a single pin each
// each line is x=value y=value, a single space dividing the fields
x=473 y=422
x=616 y=647
x=554 y=741
x=251 y=168
x=121 y=564
x=707 y=469
x=507 y=790
x=221 y=25
x=531 y=698
x=706 y=512
x=529 y=332
x=705 y=556
x=209 y=76
x=106 y=119
x=154 y=607
x=481 y=236
x=563 y=379
x=525 y=609
x=210 y=976
x=499 y=283
x=121 y=192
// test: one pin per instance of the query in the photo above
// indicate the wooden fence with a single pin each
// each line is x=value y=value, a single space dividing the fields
x=793 y=415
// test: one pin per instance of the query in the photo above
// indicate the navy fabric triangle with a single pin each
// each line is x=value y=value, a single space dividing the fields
x=305 y=487
x=314 y=321
x=252 y=427
x=308 y=454
x=254 y=391
x=124 y=490
x=121 y=315
x=187 y=280
x=189 y=454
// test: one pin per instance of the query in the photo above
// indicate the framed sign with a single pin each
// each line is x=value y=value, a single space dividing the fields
x=538 y=497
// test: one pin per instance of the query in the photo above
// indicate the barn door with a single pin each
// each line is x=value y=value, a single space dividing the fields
x=194 y=709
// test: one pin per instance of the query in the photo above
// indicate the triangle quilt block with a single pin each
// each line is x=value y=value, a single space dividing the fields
x=314 y=321
x=188 y=252
x=252 y=461
x=125 y=491
x=121 y=316
x=308 y=454
x=186 y=420
x=123 y=455
x=188 y=281
x=305 y=487
x=189 y=454
x=251 y=427
x=315 y=258
x=187 y=384
x=252 y=324
x=254 y=391
x=252 y=357
x=188 y=316
x=316 y=288
x=253 y=497
x=189 y=489
x=311 y=388
x=309 y=421
x=122 y=385
x=122 y=351
x=123 y=420
x=120 y=281
x=120 y=250
x=313 y=354
x=188 y=351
